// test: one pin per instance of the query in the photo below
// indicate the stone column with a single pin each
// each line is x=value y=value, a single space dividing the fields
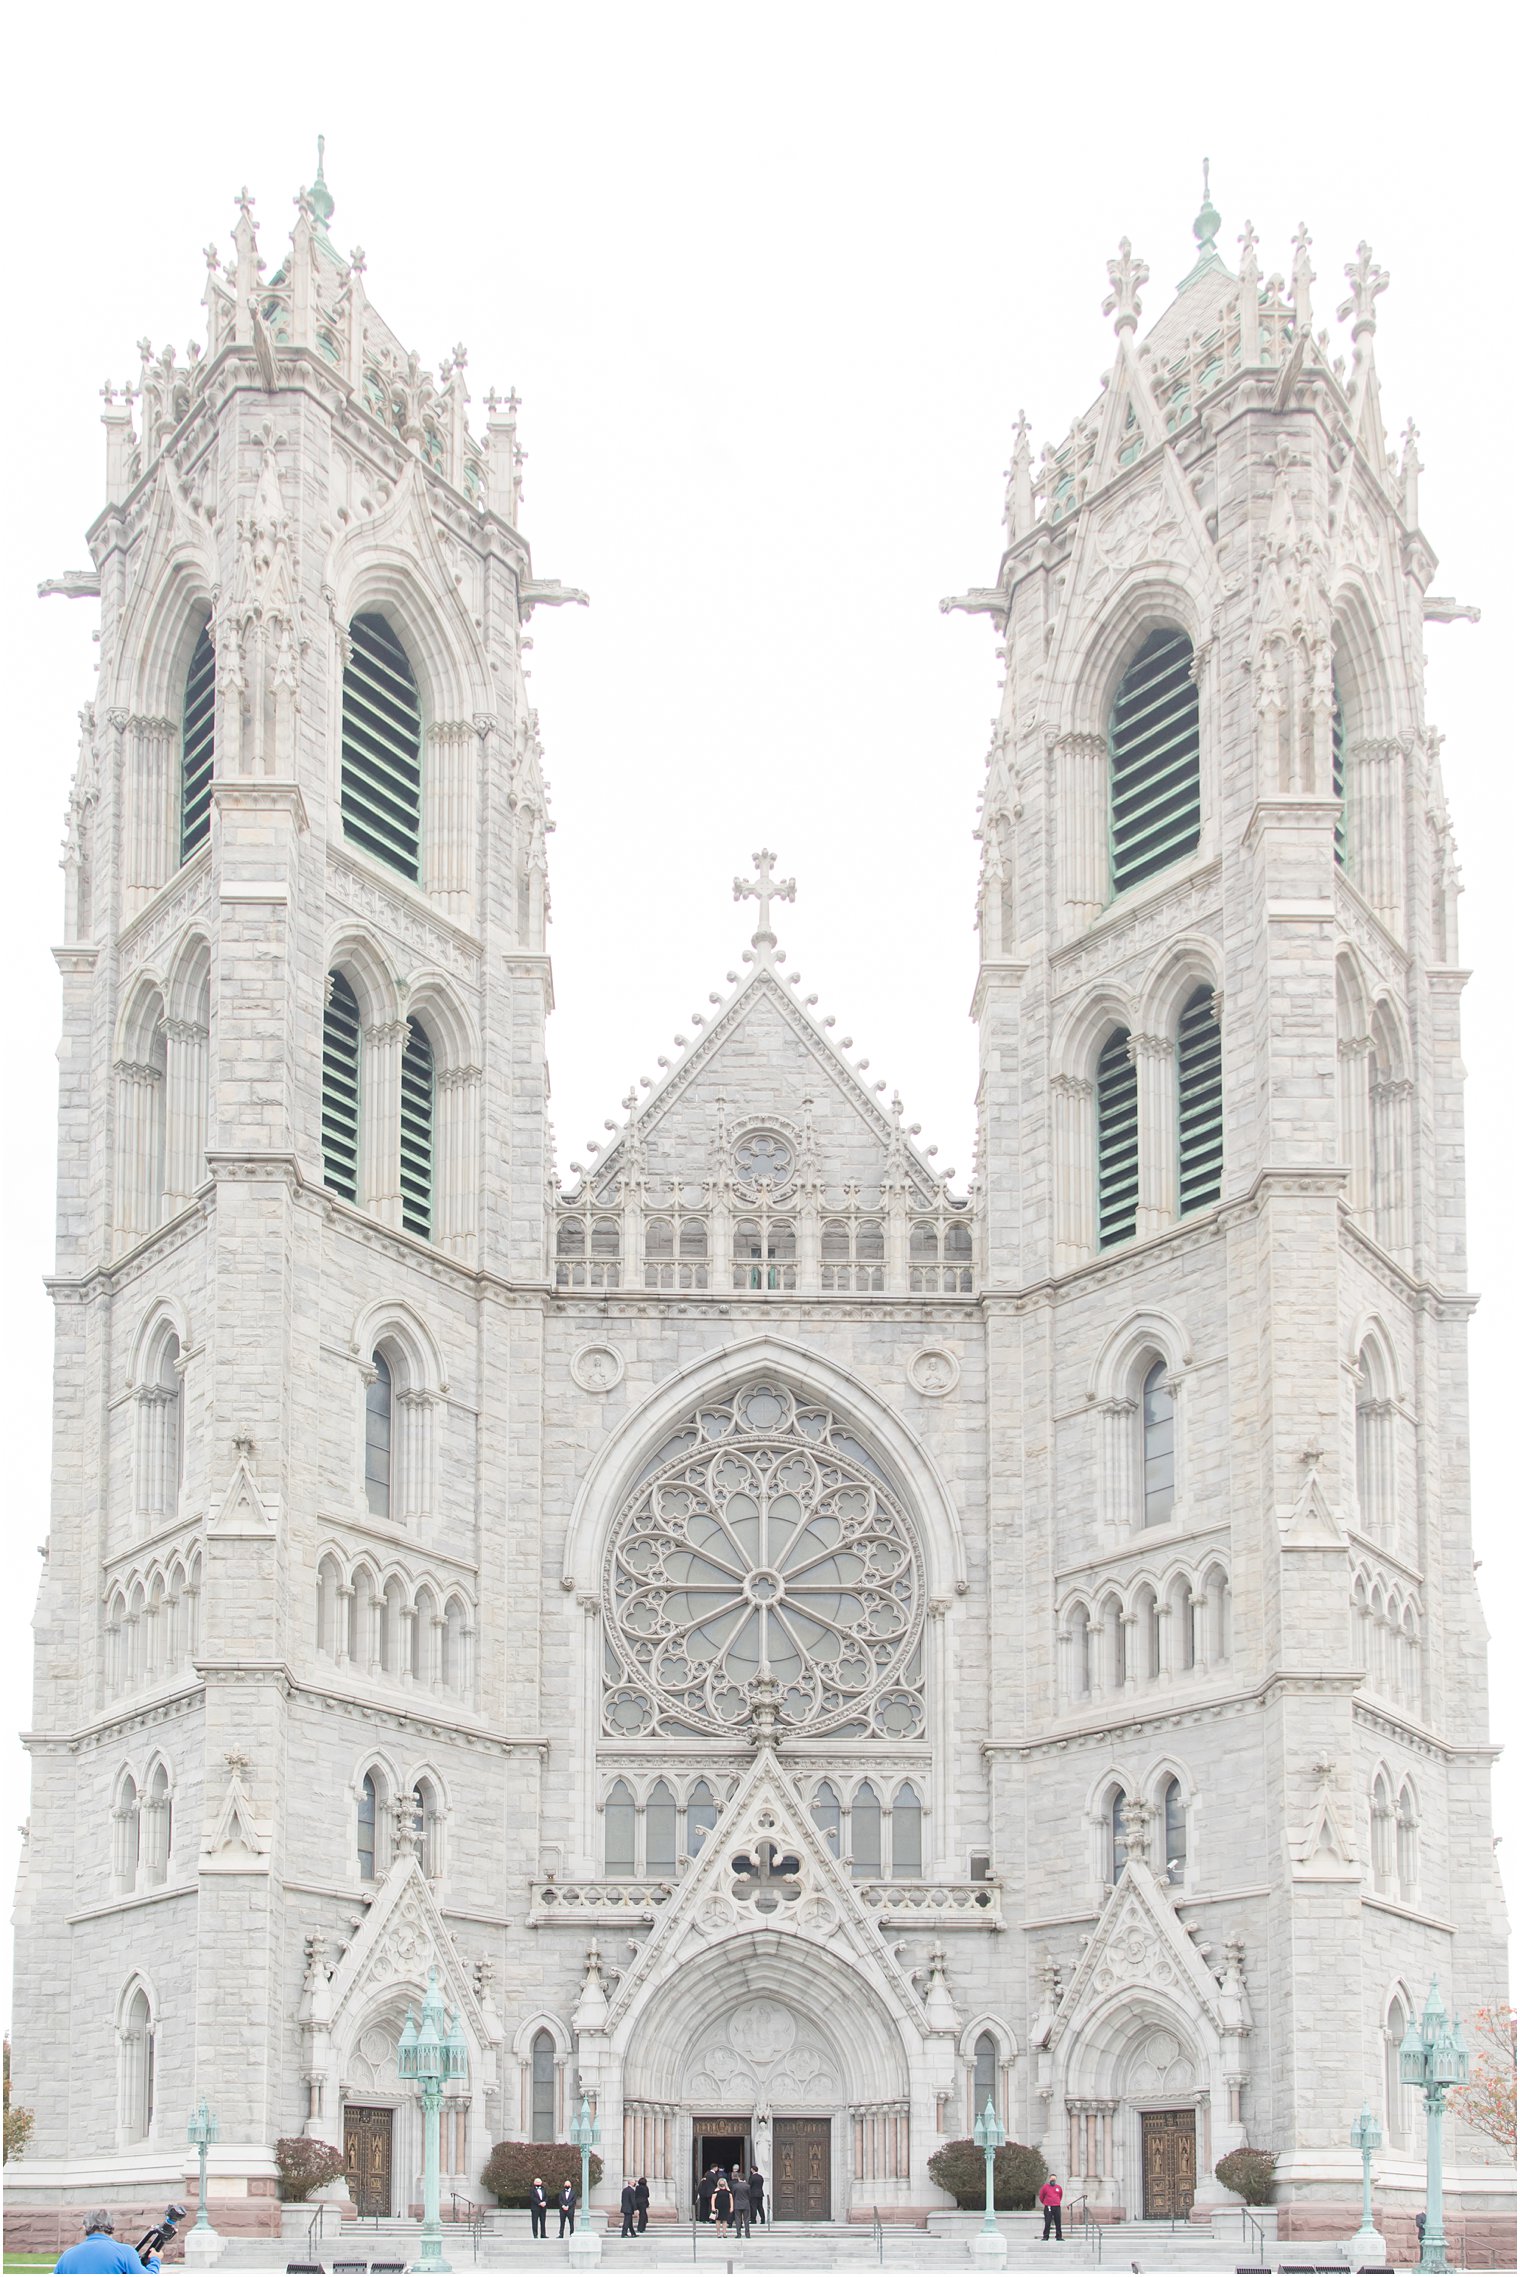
x=185 y=1050
x=139 y=1110
x=1075 y=1174
x=1153 y=1059
x=456 y=1176
x=1082 y=827
x=380 y=1121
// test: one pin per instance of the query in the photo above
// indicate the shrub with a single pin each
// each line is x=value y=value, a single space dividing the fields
x=1017 y=2172
x=508 y=2172
x=305 y=2165
x=1249 y=2174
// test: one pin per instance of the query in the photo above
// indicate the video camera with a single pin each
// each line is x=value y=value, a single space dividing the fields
x=155 y=2239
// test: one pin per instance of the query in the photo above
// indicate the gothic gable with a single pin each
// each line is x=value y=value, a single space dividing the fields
x=1138 y=1945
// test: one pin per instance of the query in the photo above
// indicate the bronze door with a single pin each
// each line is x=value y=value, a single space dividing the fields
x=799 y=2189
x=367 y=2156
x=1169 y=2155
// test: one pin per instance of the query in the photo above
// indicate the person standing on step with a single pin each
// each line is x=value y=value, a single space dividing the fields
x=641 y=2203
x=538 y=2207
x=566 y=2204
x=738 y=2182
x=705 y=2197
x=1050 y=2198
x=722 y=2203
x=626 y=2204
x=756 y=2194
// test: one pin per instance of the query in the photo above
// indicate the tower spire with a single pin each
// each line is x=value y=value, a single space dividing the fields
x=323 y=203
x=1206 y=225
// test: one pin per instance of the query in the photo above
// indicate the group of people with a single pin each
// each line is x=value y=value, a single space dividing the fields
x=731 y=2198
x=565 y=2203
x=635 y=2206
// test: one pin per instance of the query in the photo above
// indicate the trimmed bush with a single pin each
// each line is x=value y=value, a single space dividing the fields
x=508 y=2172
x=1249 y=2174
x=305 y=2165
x=1017 y=2172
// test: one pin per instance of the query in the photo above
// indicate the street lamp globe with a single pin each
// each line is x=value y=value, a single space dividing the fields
x=1366 y=2134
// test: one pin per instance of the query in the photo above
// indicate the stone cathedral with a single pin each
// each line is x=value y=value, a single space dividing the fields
x=798 y=1649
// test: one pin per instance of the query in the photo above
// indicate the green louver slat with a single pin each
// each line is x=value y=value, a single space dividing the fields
x=417 y=1133
x=1200 y=1105
x=197 y=747
x=1338 y=767
x=1118 y=1141
x=1153 y=761
x=340 y=1089
x=382 y=748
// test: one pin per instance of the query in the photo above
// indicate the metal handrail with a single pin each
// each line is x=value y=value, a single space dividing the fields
x=315 y=2228
x=1092 y=2232
x=1251 y=2229
x=876 y=2234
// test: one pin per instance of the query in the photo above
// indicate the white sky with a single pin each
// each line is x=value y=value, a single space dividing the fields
x=773 y=283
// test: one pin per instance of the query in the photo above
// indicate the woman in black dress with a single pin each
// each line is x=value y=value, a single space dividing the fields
x=723 y=2205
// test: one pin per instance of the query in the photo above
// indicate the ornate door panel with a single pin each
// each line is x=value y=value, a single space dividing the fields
x=800 y=2182
x=367 y=2156
x=1169 y=2156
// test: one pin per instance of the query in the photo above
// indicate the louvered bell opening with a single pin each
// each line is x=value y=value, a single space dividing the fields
x=1118 y=1141
x=340 y=1089
x=417 y=1133
x=197 y=748
x=1338 y=767
x=1153 y=761
x=1200 y=1104
x=382 y=747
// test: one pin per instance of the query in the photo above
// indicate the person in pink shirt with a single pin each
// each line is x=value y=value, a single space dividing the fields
x=1050 y=2199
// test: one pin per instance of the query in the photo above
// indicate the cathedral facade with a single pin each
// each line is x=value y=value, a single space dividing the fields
x=800 y=1651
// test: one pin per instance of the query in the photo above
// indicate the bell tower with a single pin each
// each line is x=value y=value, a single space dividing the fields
x=303 y=1167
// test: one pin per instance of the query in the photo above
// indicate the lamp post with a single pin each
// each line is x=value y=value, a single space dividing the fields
x=989 y=2135
x=1433 y=2058
x=585 y=2134
x=1367 y=2245
x=202 y=2246
x=430 y=2052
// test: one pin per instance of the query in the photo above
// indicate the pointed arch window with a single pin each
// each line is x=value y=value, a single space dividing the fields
x=417 y=1101
x=907 y=1831
x=1118 y=1141
x=619 y=1829
x=984 y=2075
x=427 y=1828
x=381 y=793
x=865 y=1833
x=828 y=1816
x=1394 y=2108
x=1174 y=1829
x=197 y=747
x=340 y=1088
x=369 y=1805
x=660 y=1830
x=701 y=1816
x=379 y=1411
x=1154 y=801
x=158 y=1831
x=1158 y=1446
x=541 y=2125
x=1115 y=1834
x=139 y=2066
x=1200 y=1104
x=1338 y=765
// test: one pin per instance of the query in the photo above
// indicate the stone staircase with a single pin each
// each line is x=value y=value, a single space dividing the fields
x=504 y=2242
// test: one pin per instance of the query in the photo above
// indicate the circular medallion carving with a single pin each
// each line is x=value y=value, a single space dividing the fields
x=597 y=1367
x=934 y=1371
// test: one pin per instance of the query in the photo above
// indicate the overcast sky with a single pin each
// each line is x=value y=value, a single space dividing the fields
x=773 y=283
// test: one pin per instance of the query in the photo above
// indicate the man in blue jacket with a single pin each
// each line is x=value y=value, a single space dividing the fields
x=99 y=2249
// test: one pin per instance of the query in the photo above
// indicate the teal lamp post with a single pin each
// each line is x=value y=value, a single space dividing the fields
x=989 y=2135
x=201 y=2133
x=1367 y=2245
x=430 y=2052
x=1433 y=2058
x=585 y=2134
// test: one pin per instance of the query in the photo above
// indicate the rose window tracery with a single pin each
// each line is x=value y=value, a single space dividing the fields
x=763 y=1534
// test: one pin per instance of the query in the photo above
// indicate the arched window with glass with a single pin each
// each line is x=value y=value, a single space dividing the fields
x=907 y=1831
x=1118 y=1113
x=984 y=2075
x=1174 y=1832
x=1200 y=1104
x=1338 y=765
x=427 y=1827
x=701 y=1816
x=381 y=789
x=660 y=1830
x=828 y=1816
x=865 y=1832
x=368 y=1826
x=620 y=1829
x=139 y=2067
x=379 y=1418
x=541 y=2118
x=1158 y=1446
x=1395 y=2107
x=1155 y=804
x=340 y=1088
x=1114 y=1832
x=418 y=1100
x=197 y=746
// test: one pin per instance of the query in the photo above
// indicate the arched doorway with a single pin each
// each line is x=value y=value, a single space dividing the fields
x=1138 y=2110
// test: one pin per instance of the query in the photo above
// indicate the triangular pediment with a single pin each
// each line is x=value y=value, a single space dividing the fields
x=1138 y=1944
x=764 y=1060
x=401 y=1937
x=795 y=1887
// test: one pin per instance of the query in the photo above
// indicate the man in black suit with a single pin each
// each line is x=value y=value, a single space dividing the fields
x=538 y=2207
x=627 y=2202
x=566 y=2204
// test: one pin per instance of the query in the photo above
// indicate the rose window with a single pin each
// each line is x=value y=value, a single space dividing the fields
x=764 y=1535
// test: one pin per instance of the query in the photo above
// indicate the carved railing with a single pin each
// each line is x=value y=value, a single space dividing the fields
x=607 y=1899
x=981 y=1902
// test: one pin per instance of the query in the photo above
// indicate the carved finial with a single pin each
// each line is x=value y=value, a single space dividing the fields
x=322 y=201
x=1366 y=280
x=108 y=394
x=1018 y=498
x=245 y=202
x=1206 y=226
x=1411 y=468
x=1250 y=267
x=1303 y=279
x=764 y=888
x=1125 y=277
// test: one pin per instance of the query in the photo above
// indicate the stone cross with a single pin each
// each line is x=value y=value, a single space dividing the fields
x=764 y=888
x=1125 y=277
x=1366 y=280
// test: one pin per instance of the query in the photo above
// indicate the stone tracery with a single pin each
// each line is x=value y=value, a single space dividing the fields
x=763 y=1535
